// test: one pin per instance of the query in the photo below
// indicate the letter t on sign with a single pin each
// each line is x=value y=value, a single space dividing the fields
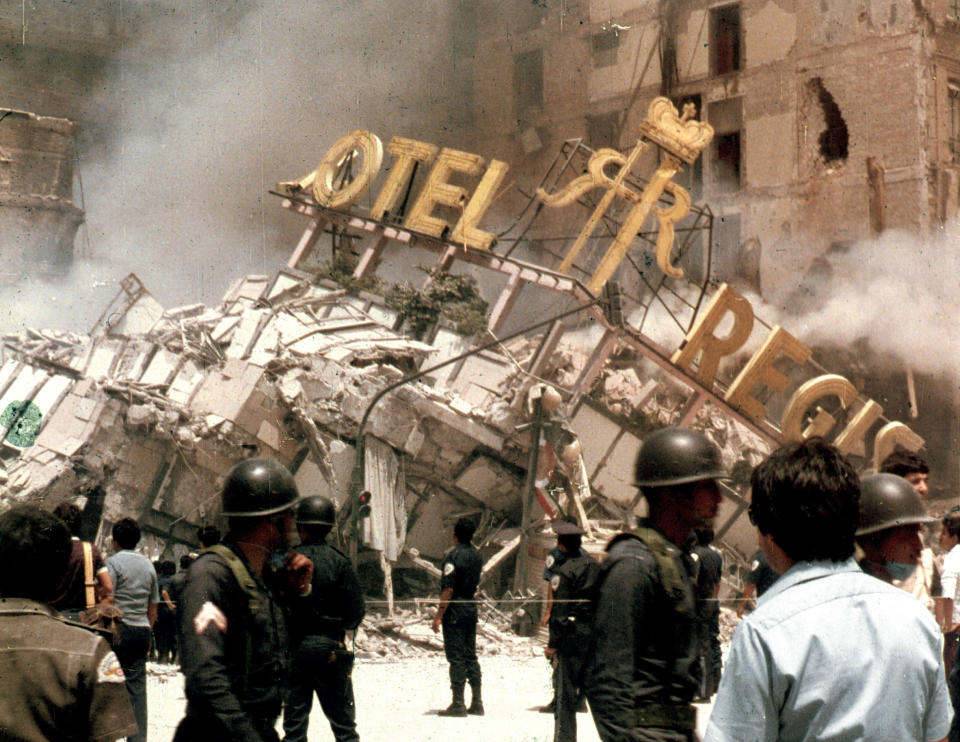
x=701 y=340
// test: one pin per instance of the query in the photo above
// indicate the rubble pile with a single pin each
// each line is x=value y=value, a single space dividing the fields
x=144 y=415
x=407 y=633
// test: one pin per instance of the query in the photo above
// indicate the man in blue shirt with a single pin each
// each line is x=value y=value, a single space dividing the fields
x=830 y=652
x=136 y=593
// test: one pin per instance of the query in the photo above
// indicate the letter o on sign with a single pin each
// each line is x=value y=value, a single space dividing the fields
x=326 y=189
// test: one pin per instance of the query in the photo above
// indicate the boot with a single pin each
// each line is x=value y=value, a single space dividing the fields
x=476 y=701
x=457 y=707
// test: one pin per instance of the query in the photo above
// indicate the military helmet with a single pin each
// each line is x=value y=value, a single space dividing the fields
x=316 y=511
x=258 y=487
x=888 y=501
x=674 y=456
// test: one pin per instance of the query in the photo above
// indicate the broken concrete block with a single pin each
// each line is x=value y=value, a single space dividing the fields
x=461 y=406
x=269 y=434
x=142 y=414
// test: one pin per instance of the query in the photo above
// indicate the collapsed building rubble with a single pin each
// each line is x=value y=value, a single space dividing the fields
x=143 y=415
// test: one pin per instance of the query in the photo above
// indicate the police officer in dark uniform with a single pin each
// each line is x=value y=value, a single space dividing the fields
x=318 y=625
x=457 y=613
x=556 y=558
x=234 y=641
x=643 y=672
x=570 y=626
x=709 y=573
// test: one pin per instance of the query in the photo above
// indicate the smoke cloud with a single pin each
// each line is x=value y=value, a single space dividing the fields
x=219 y=101
x=895 y=293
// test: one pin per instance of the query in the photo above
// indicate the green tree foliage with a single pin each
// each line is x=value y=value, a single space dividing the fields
x=454 y=298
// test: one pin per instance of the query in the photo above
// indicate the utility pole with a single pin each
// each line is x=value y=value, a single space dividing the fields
x=533 y=458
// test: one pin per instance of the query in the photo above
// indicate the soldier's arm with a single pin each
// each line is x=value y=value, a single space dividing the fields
x=621 y=619
x=203 y=654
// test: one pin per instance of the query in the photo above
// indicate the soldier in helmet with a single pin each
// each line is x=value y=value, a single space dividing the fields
x=643 y=673
x=318 y=626
x=234 y=642
x=891 y=519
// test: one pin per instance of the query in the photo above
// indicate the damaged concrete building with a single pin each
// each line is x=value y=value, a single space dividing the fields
x=144 y=414
x=834 y=122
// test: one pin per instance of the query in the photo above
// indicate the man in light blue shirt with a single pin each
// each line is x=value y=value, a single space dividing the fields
x=137 y=595
x=830 y=653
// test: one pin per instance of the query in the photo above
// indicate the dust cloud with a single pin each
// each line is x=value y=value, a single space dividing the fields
x=895 y=294
x=218 y=102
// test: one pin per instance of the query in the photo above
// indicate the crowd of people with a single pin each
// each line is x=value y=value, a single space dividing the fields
x=846 y=642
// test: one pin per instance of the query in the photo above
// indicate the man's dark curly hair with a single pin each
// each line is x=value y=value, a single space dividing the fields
x=34 y=549
x=807 y=497
x=902 y=462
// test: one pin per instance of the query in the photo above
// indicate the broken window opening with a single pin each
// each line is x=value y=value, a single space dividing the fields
x=953 y=91
x=604 y=48
x=834 y=140
x=726 y=117
x=725 y=39
x=604 y=130
x=528 y=80
x=727 y=162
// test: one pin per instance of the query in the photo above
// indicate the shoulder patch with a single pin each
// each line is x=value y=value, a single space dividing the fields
x=694 y=556
x=209 y=614
x=448 y=568
x=109 y=670
x=755 y=564
x=555 y=582
x=550 y=560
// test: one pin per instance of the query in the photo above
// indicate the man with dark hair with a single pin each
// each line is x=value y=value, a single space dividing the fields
x=950 y=543
x=912 y=467
x=234 y=648
x=208 y=535
x=644 y=670
x=457 y=614
x=137 y=594
x=322 y=664
x=924 y=582
x=71 y=595
x=60 y=680
x=570 y=626
x=165 y=629
x=830 y=652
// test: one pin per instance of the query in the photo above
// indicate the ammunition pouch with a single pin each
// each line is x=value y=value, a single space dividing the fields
x=681 y=716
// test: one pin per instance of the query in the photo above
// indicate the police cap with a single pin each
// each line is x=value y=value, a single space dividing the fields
x=563 y=527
